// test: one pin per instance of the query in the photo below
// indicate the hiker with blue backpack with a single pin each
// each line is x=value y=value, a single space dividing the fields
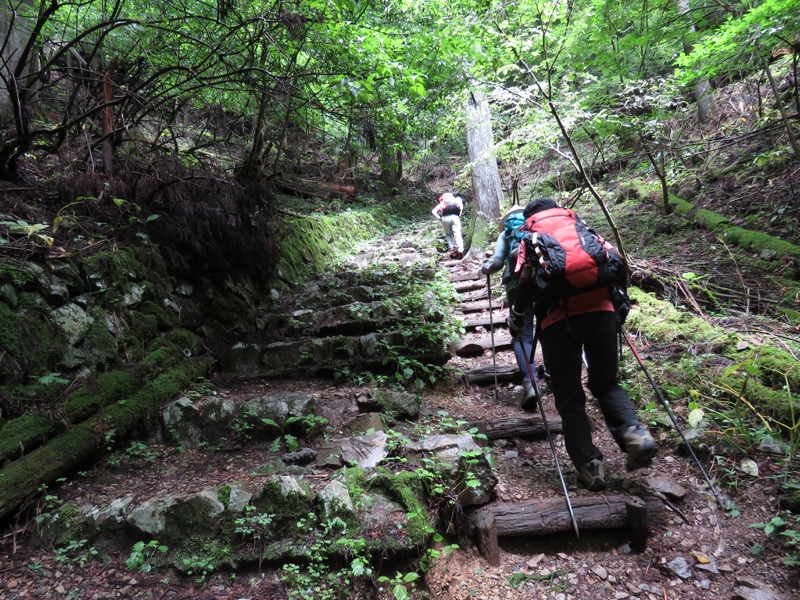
x=569 y=274
x=505 y=257
x=448 y=210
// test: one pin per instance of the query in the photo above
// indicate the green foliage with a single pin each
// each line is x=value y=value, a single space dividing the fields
x=786 y=525
x=143 y=555
x=746 y=31
x=136 y=455
x=556 y=580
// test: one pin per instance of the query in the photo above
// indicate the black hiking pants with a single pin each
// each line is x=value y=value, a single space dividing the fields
x=562 y=346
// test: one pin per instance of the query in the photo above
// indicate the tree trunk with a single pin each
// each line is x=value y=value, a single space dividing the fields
x=703 y=93
x=486 y=187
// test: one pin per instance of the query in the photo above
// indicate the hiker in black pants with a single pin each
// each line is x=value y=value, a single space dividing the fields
x=505 y=255
x=582 y=323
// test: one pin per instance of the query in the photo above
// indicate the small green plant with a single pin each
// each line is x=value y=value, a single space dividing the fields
x=51 y=378
x=201 y=387
x=29 y=230
x=289 y=441
x=76 y=552
x=143 y=554
x=399 y=585
x=557 y=581
x=787 y=525
x=134 y=455
x=199 y=566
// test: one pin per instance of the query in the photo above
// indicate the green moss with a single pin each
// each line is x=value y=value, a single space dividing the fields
x=311 y=244
x=289 y=507
x=665 y=323
x=106 y=389
x=177 y=339
x=161 y=358
x=408 y=488
x=100 y=343
x=26 y=433
x=27 y=342
x=157 y=319
x=117 y=265
x=744 y=238
x=11 y=272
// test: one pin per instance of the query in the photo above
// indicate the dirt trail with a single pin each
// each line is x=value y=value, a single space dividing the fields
x=698 y=551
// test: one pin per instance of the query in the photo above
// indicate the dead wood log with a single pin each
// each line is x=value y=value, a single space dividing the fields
x=473 y=296
x=551 y=515
x=467 y=348
x=486 y=538
x=497 y=321
x=485 y=375
x=467 y=277
x=516 y=427
x=466 y=286
x=466 y=307
x=71 y=450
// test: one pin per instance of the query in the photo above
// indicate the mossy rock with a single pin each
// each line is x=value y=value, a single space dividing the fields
x=28 y=342
x=99 y=392
x=27 y=433
x=288 y=499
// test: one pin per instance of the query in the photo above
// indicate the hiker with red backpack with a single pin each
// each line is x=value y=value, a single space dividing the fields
x=505 y=257
x=567 y=273
x=448 y=210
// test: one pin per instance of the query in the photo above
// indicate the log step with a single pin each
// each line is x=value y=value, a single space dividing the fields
x=466 y=286
x=467 y=307
x=498 y=321
x=468 y=277
x=517 y=427
x=485 y=375
x=551 y=515
x=470 y=348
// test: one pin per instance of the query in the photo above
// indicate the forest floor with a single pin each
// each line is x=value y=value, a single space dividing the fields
x=698 y=551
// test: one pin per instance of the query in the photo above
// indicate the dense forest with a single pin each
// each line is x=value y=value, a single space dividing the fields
x=244 y=148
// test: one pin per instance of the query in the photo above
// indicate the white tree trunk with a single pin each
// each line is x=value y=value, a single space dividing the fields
x=487 y=190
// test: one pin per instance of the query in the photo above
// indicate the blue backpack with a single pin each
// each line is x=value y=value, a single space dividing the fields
x=512 y=229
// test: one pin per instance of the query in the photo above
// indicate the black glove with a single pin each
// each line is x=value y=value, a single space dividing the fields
x=486 y=268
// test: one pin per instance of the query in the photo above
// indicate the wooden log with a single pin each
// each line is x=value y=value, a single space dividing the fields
x=498 y=321
x=486 y=538
x=467 y=307
x=73 y=449
x=468 y=277
x=467 y=348
x=517 y=427
x=638 y=523
x=479 y=295
x=551 y=515
x=466 y=286
x=485 y=375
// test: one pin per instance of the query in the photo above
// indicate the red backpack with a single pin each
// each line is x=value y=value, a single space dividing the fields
x=568 y=257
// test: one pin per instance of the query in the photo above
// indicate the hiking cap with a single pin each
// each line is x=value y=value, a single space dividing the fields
x=511 y=211
x=539 y=205
x=446 y=196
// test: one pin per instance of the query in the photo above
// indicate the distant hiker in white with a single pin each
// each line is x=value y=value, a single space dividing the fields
x=448 y=211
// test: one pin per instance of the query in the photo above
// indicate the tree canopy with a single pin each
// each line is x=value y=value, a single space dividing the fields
x=370 y=80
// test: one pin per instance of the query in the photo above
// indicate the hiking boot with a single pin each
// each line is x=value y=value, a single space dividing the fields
x=530 y=400
x=592 y=475
x=640 y=446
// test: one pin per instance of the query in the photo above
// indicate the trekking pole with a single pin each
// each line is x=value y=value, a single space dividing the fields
x=549 y=434
x=673 y=419
x=491 y=329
